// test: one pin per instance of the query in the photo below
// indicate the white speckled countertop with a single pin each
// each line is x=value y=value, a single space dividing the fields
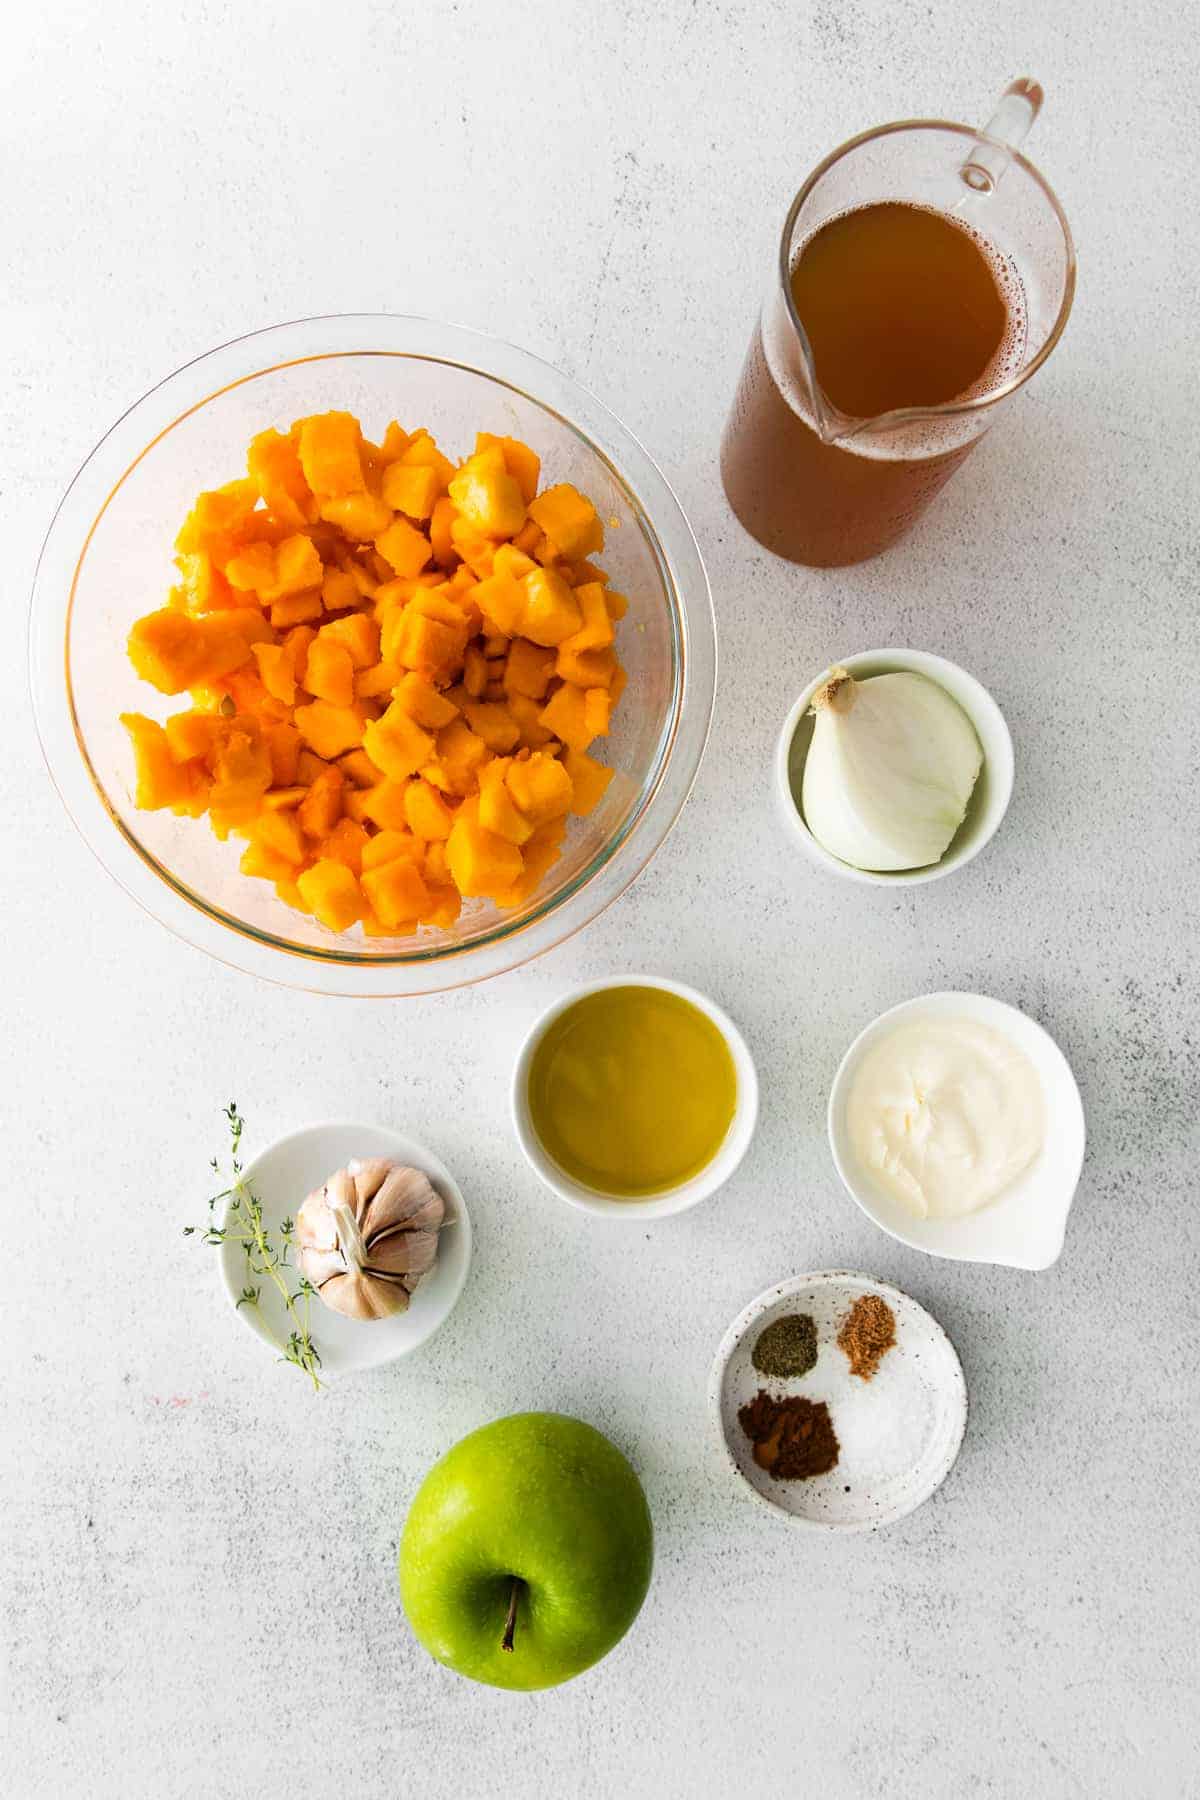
x=197 y=1585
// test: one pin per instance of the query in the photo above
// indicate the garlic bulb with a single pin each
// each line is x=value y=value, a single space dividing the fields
x=890 y=770
x=367 y=1236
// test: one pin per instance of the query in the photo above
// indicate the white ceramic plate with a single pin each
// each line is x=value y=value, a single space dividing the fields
x=282 y=1177
x=1024 y=1227
x=898 y=1433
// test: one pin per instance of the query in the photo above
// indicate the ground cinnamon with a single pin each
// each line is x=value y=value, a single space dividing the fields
x=867 y=1334
x=792 y=1438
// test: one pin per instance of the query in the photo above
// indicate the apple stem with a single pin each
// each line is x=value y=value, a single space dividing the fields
x=510 y=1623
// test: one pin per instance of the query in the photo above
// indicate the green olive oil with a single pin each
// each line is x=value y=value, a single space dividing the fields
x=632 y=1091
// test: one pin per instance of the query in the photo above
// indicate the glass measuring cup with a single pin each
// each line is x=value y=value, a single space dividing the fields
x=821 y=486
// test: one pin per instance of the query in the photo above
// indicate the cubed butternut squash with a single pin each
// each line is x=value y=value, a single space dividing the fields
x=331 y=892
x=395 y=666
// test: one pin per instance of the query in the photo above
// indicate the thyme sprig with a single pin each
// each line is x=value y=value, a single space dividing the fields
x=265 y=1261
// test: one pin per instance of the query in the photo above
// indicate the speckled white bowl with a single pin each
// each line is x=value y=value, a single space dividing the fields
x=674 y=1200
x=918 y=1388
x=988 y=803
x=1025 y=1226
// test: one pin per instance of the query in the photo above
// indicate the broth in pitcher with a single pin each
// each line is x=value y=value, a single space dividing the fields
x=903 y=307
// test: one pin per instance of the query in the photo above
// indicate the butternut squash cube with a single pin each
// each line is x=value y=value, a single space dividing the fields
x=276 y=672
x=396 y=743
x=528 y=668
x=357 y=767
x=412 y=489
x=372 y=684
x=432 y=647
x=473 y=546
x=494 y=724
x=220 y=521
x=565 y=716
x=329 y=673
x=445 y=904
x=298 y=567
x=297 y=642
x=596 y=632
x=480 y=862
x=395 y=442
x=332 y=893
x=427 y=813
x=358 y=634
x=281 y=832
x=508 y=560
x=266 y=864
x=597 y=710
x=422 y=702
x=396 y=892
x=339 y=590
x=190 y=735
x=321 y=807
x=497 y=810
x=527 y=713
x=405 y=549
x=330 y=730
x=383 y=805
x=442 y=518
x=274 y=465
x=283 y=748
x=586 y=668
x=360 y=516
x=589 y=781
x=205 y=589
x=569 y=520
x=522 y=463
x=162 y=781
x=540 y=787
x=486 y=495
x=552 y=611
x=502 y=602
x=391 y=846
x=539 y=853
x=421 y=451
x=296 y=609
x=330 y=447
x=346 y=844
x=174 y=651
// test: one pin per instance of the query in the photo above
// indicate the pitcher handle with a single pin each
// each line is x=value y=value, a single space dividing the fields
x=1004 y=132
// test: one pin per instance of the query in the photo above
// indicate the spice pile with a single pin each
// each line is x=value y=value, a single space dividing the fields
x=867 y=1334
x=793 y=1436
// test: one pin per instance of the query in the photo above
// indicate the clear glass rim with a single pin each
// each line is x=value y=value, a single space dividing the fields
x=909 y=415
x=510 y=941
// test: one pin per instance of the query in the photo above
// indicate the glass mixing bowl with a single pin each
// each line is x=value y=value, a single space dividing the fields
x=108 y=559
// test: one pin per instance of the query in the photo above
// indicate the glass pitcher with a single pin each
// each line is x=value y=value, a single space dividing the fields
x=820 y=485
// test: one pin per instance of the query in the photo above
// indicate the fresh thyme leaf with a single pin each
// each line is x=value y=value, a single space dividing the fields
x=244 y=1225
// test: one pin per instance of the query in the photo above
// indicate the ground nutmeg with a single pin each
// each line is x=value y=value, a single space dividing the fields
x=867 y=1334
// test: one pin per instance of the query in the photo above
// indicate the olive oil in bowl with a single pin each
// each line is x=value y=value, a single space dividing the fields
x=631 y=1091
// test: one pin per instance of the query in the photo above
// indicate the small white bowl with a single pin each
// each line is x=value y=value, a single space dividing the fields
x=899 y=1442
x=282 y=1177
x=1024 y=1227
x=673 y=1200
x=993 y=790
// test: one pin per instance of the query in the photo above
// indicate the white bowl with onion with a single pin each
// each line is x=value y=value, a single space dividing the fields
x=989 y=794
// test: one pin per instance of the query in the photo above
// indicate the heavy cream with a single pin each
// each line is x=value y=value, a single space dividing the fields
x=946 y=1113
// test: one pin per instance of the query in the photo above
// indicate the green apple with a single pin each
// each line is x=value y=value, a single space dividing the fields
x=526 y=1554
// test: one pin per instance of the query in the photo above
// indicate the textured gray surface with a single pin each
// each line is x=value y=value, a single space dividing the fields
x=198 y=1594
